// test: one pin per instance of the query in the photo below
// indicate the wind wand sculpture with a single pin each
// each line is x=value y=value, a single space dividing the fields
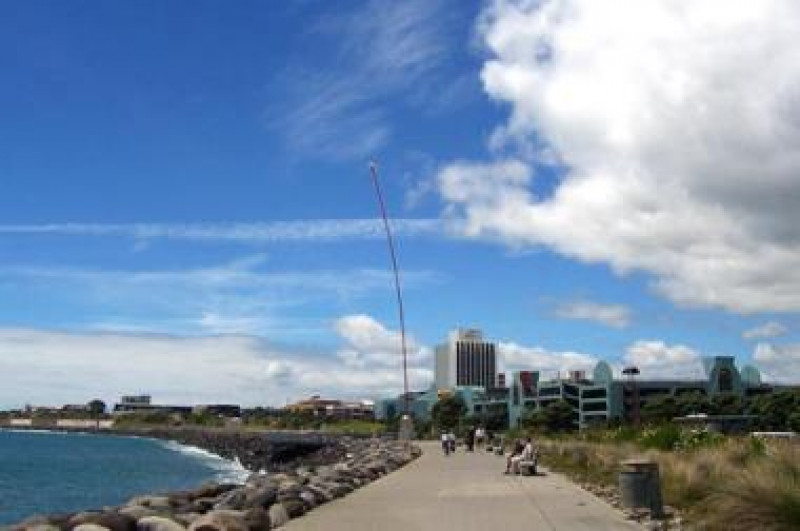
x=373 y=170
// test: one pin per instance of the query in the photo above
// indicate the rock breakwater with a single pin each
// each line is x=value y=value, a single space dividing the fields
x=315 y=474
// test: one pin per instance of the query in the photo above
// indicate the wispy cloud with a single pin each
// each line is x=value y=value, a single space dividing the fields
x=614 y=315
x=766 y=330
x=378 y=53
x=319 y=230
x=241 y=296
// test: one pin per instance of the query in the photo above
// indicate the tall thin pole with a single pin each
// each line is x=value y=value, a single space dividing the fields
x=373 y=170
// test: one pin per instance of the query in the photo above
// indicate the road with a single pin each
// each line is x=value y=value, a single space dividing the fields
x=464 y=492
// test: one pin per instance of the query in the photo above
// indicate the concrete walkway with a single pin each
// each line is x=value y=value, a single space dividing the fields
x=464 y=492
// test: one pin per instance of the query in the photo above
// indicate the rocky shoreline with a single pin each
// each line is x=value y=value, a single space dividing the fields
x=291 y=476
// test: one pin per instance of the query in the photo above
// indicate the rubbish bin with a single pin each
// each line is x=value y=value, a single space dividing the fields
x=640 y=486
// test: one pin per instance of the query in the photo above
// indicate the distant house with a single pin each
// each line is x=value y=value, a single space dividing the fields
x=333 y=409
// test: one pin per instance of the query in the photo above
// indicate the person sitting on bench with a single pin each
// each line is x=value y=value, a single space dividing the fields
x=524 y=456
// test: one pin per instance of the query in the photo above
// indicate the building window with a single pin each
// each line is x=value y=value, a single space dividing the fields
x=594 y=393
x=725 y=380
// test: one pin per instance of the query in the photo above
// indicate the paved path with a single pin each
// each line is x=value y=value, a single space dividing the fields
x=464 y=492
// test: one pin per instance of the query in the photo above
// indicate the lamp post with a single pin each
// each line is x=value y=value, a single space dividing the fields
x=631 y=373
x=405 y=425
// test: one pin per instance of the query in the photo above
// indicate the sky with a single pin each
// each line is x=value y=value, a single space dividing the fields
x=186 y=207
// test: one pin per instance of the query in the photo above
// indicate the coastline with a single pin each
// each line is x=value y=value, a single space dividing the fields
x=289 y=473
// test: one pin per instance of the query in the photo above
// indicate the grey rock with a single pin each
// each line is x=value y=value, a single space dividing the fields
x=137 y=512
x=233 y=500
x=278 y=515
x=159 y=523
x=153 y=502
x=262 y=496
x=186 y=518
x=113 y=521
x=295 y=508
x=309 y=499
x=220 y=521
x=257 y=519
x=89 y=527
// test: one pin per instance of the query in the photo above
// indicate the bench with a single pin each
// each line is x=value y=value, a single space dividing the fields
x=527 y=467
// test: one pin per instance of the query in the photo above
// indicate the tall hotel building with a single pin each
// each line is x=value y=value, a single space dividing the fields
x=466 y=360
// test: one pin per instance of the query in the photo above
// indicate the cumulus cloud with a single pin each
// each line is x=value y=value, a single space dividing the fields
x=46 y=367
x=614 y=315
x=369 y=343
x=676 y=127
x=770 y=329
x=549 y=363
x=779 y=363
x=656 y=359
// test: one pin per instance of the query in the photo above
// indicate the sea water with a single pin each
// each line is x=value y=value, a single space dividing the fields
x=48 y=472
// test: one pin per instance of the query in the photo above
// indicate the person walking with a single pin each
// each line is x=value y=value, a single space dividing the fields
x=445 y=443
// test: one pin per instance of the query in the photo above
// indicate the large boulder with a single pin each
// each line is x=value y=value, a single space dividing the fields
x=233 y=500
x=137 y=512
x=257 y=519
x=159 y=523
x=278 y=515
x=221 y=521
x=89 y=527
x=113 y=521
x=211 y=490
x=295 y=508
x=262 y=496
x=153 y=502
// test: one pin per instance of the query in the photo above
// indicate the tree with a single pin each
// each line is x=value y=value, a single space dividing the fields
x=447 y=412
x=659 y=409
x=775 y=411
x=727 y=404
x=555 y=417
x=97 y=408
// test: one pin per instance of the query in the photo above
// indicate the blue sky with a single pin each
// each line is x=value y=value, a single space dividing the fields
x=186 y=184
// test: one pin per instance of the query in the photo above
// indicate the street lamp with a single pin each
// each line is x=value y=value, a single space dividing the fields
x=631 y=372
x=405 y=425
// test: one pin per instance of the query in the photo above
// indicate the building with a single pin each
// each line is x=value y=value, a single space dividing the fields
x=595 y=399
x=466 y=359
x=602 y=397
x=333 y=409
x=143 y=404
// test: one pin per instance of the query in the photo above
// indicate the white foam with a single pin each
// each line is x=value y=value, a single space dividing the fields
x=225 y=470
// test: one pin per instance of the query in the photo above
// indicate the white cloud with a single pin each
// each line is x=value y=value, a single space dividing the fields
x=368 y=342
x=677 y=126
x=550 y=364
x=770 y=329
x=656 y=359
x=46 y=367
x=779 y=363
x=614 y=315
x=317 y=230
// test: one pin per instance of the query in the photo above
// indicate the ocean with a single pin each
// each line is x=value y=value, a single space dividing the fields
x=49 y=472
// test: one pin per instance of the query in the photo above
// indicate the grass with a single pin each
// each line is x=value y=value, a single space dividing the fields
x=732 y=484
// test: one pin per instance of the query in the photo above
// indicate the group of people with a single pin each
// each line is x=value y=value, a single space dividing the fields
x=475 y=437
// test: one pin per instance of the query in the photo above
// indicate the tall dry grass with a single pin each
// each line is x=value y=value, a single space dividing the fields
x=741 y=484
